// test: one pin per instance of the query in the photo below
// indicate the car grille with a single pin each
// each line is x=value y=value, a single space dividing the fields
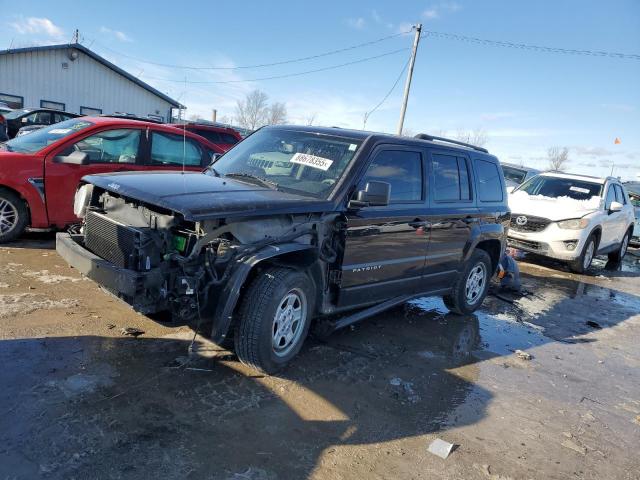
x=533 y=224
x=112 y=241
x=527 y=245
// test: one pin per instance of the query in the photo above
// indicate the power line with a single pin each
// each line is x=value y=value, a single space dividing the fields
x=525 y=46
x=287 y=75
x=241 y=67
x=384 y=99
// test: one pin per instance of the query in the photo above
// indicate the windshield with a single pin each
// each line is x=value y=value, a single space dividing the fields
x=298 y=162
x=43 y=137
x=555 y=187
x=16 y=113
x=514 y=174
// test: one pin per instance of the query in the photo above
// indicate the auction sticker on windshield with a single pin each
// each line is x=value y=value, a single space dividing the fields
x=312 y=161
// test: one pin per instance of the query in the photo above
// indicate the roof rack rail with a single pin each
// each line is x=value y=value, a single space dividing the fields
x=424 y=136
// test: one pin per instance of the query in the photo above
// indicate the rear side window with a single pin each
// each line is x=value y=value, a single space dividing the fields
x=451 y=178
x=489 y=184
x=170 y=149
x=402 y=170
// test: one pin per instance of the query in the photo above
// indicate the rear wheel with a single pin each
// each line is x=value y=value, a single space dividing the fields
x=471 y=286
x=583 y=262
x=274 y=319
x=619 y=254
x=13 y=216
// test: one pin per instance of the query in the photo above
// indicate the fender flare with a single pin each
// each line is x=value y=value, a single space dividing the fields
x=230 y=295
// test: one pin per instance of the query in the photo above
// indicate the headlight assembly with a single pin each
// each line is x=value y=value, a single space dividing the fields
x=574 y=224
x=81 y=200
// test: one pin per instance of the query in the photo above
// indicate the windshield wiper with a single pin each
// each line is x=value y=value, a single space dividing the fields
x=213 y=170
x=261 y=181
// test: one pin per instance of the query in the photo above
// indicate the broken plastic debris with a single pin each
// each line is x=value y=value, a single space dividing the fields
x=441 y=448
x=592 y=324
x=523 y=355
x=133 y=331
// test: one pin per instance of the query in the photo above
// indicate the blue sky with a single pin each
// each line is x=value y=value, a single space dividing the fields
x=526 y=101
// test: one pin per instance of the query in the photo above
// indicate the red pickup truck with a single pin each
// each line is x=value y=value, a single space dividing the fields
x=40 y=172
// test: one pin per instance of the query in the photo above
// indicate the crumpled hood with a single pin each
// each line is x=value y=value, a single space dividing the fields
x=198 y=196
x=561 y=208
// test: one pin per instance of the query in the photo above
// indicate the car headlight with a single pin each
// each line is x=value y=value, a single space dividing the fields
x=81 y=200
x=574 y=224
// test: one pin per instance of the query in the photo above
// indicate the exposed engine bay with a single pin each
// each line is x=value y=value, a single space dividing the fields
x=185 y=265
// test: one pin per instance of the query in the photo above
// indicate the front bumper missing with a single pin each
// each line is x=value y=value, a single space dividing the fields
x=135 y=288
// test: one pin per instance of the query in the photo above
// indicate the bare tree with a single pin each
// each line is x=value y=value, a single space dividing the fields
x=277 y=114
x=253 y=111
x=226 y=119
x=194 y=117
x=310 y=118
x=558 y=158
x=477 y=137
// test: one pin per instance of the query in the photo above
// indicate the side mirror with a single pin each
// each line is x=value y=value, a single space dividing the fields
x=615 y=207
x=75 y=158
x=510 y=188
x=375 y=194
x=215 y=156
x=25 y=120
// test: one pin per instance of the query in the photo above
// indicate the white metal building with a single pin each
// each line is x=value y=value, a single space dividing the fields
x=73 y=78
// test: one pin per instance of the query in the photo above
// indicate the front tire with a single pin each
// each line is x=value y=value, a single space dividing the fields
x=471 y=286
x=583 y=262
x=14 y=216
x=274 y=318
x=619 y=254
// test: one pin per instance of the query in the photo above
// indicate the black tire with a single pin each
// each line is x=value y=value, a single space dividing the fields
x=457 y=301
x=254 y=331
x=16 y=212
x=578 y=265
x=619 y=254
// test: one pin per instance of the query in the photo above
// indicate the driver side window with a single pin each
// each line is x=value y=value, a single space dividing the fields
x=402 y=170
x=611 y=197
x=111 y=146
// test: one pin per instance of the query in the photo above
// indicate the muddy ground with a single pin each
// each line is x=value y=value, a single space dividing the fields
x=80 y=400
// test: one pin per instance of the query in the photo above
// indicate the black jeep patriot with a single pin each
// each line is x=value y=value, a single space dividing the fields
x=295 y=224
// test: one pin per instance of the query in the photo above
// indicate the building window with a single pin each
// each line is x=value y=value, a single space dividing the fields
x=52 y=105
x=12 y=101
x=90 y=111
x=158 y=118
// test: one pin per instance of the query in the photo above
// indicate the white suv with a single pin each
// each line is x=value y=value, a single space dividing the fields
x=571 y=218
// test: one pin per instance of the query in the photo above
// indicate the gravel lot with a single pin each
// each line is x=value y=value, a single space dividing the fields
x=80 y=400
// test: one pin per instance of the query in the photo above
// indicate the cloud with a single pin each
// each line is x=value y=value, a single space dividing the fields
x=430 y=13
x=123 y=37
x=437 y=10
x=37 y=26
x=357 y=23
x=618 y=107
x=405 y=27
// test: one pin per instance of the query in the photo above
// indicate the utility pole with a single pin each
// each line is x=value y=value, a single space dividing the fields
x=76 y=36
x=407 y=85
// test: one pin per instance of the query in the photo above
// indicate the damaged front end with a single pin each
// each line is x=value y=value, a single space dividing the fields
x=156 y=261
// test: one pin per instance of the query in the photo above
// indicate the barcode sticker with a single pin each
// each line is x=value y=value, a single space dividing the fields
x=312 y=161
